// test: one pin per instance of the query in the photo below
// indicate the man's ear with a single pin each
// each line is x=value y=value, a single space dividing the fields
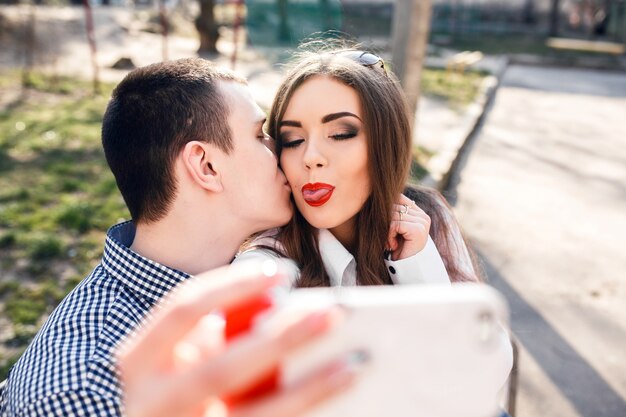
x=199 y=160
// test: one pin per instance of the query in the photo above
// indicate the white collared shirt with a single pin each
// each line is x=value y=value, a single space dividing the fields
x=425 y=267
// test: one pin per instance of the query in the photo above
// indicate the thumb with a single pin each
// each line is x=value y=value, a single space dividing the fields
x=392 y=240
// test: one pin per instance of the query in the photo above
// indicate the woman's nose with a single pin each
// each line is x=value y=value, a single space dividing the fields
x=313 y=156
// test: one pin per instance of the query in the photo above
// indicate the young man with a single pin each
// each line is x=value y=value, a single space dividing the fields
x=185 y=142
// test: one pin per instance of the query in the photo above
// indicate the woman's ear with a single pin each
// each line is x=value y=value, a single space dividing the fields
x=199 y=161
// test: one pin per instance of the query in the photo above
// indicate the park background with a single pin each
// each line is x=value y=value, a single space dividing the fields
x=520 y=122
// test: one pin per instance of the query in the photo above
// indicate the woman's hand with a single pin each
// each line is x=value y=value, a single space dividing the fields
x=168 y=371
x=408 y=232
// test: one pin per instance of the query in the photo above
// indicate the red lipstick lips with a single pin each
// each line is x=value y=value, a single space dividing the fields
x=317 y=194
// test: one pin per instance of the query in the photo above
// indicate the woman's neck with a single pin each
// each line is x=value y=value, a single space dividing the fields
x=345 y=233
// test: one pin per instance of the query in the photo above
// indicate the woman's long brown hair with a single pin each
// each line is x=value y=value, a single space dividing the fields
x=388 y=131
x=458 y=257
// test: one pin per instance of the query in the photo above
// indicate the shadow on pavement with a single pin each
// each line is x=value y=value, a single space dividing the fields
x=597 y=83
x=576 y=379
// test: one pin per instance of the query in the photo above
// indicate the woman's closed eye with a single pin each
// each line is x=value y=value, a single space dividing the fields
x=292 y=143
x=344 y=135
x=289 y=139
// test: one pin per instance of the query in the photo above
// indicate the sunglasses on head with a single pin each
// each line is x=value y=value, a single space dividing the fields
x=367 y=59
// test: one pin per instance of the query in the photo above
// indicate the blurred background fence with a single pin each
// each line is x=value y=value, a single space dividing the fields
x=286 y=22
x=289 y=21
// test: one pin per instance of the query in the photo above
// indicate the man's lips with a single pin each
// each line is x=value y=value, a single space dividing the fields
x=317 y=194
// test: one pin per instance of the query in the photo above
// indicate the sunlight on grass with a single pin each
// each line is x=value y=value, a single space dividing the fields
x=57 y=198
x=459 y=89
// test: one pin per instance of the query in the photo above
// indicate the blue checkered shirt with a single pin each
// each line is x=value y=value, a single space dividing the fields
x=68 y=369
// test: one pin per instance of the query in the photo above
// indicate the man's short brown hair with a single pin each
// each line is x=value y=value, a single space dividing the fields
x=152 y=114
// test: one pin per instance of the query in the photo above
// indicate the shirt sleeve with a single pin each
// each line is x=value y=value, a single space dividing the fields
x=425 y=267
x=74 y=403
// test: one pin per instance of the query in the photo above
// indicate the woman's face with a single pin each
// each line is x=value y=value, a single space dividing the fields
x=324 y=153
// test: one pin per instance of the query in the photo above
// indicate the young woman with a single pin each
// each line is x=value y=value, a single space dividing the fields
x=343 y=140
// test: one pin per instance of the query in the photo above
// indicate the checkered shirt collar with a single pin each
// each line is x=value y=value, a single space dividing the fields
x=145 y=277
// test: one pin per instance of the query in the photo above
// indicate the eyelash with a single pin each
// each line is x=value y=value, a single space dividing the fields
x=344 y=136
x=339 y=136
x=292 y=144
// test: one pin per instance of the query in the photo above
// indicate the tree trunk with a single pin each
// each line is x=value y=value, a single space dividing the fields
x=529 y=12
x=410 y=40
x=554 y=18
x=283 y=34
x=206 y=26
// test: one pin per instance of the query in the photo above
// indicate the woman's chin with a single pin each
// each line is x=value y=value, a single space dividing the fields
x=320 y=223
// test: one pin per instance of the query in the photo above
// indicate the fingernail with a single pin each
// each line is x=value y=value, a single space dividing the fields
x=358 y=357
x=348 y=368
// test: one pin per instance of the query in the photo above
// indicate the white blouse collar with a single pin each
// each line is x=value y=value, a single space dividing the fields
x=335 y=256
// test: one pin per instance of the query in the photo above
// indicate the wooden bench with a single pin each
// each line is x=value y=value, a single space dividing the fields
x=613 y=48
x=462 y=60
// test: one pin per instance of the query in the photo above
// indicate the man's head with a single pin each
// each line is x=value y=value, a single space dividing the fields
x=152 y=114
x=164 y=112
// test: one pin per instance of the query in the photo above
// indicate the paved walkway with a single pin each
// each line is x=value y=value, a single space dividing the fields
x=543 y=196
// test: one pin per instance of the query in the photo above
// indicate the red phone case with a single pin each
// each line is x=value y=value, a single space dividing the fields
x=239 y=321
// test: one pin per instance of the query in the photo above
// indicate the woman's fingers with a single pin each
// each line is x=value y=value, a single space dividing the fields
x=251 y=357
x=409 y=226
x=296 y=400
x=408 y=209
x=403 y=233
x=193 y=300
x=156 y=385
x=408 y=231
x=404 y=200
x=203 y=342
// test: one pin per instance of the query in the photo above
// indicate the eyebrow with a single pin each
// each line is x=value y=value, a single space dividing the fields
x=335 y=116
x=325 y=119
x=291 y=123
x=260 y=121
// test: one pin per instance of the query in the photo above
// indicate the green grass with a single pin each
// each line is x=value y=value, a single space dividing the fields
x=7 y=363
x=57 y=197
x=419 y=162
x=25 y=305
x=458 y=89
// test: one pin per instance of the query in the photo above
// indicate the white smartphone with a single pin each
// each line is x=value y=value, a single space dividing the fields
x=434 y=350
